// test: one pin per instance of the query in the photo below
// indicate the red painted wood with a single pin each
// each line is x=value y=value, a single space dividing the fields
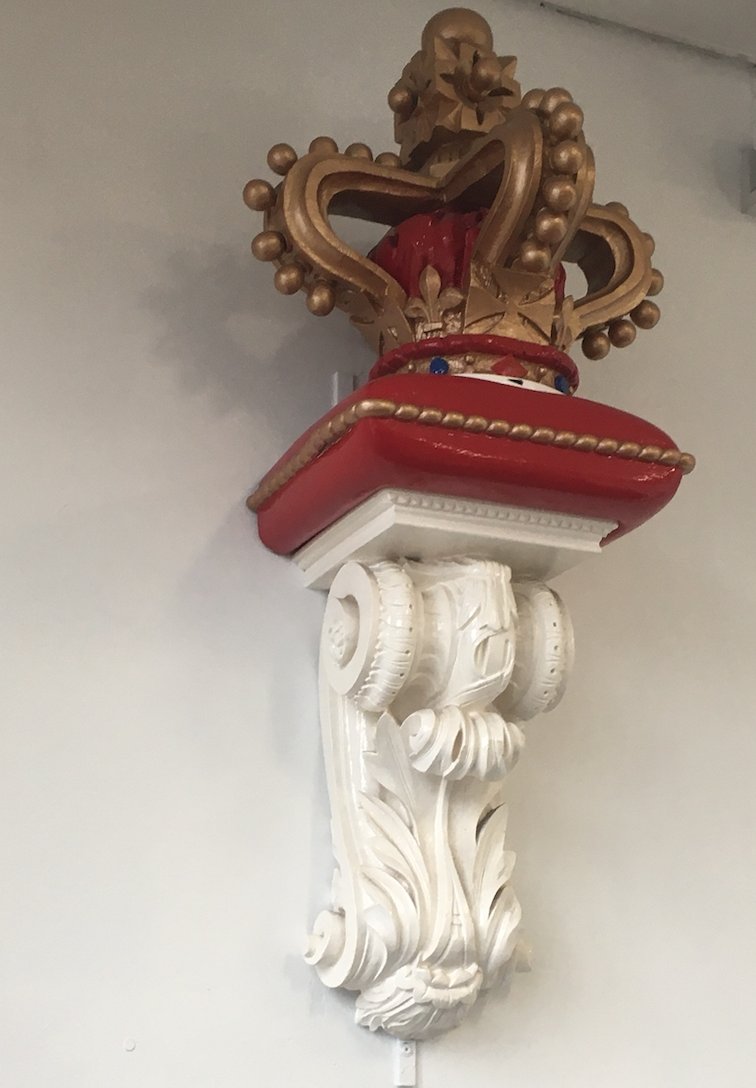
x=442 y=239
x=378 y=453
x=445 y=240
x=464 y=341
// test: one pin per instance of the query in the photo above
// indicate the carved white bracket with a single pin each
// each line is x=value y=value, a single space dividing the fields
x=427 y=669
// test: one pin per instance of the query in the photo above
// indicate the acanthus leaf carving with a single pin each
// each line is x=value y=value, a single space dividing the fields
x=417 y=660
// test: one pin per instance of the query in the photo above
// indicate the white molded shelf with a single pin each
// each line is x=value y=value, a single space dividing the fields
x=408 y=524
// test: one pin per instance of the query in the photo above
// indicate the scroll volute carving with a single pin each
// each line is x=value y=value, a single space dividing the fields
x=428 y=671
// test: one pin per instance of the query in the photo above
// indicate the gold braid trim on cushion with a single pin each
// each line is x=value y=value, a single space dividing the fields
x=332 y=429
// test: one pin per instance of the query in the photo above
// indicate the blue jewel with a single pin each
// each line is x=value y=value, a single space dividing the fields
x=561 y=383
x=438 y=365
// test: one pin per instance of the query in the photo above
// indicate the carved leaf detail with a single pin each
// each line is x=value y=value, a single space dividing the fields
x=497 y=909
x=434 y=302
x=417 y=309
x=393 y=845
x=424 y=916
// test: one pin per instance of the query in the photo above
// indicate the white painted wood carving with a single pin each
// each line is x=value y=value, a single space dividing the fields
x=427 y=671
x=467 y=439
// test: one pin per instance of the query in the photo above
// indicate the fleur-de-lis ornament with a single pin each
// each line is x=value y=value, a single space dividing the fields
x=436 y=311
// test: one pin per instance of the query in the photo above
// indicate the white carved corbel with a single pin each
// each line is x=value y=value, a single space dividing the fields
x=436 y=500
x=427 y=670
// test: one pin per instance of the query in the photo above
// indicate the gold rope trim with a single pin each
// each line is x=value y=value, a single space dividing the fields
x=330 y=431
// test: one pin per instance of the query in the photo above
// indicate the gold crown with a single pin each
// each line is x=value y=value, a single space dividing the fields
x=506 y=180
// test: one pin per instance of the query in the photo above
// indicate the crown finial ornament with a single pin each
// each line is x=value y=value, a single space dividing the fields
x=496 y=189
x=436 y=500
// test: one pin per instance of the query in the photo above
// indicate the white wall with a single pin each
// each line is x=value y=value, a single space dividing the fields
x=164 y=827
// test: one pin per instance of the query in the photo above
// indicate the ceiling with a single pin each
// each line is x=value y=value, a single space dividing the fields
x=725 y=26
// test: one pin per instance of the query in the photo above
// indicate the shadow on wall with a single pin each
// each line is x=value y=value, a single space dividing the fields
x=225 y=334
x=733 y=184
